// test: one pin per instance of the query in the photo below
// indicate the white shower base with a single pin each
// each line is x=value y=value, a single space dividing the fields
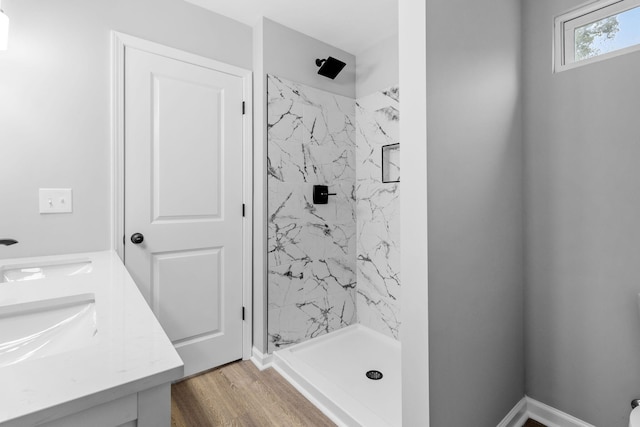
x=330 y=371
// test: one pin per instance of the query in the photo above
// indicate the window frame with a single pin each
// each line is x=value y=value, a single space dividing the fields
x=566 y=24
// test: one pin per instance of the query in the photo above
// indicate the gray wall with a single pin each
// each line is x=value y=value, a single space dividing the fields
x=474 y=145
x=55 y=107
x=377 y=67
x=582 y=138
x=291 y=54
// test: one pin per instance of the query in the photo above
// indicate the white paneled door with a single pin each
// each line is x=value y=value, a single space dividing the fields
x=183 y=219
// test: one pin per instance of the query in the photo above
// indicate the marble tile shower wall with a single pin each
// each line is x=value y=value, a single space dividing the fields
x=378 y=215
x=311 y=248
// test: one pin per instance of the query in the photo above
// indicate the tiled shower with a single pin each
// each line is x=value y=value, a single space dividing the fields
x=332 y=265
x=378 y=212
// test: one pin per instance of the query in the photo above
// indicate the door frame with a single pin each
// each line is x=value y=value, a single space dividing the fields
x=119 y=43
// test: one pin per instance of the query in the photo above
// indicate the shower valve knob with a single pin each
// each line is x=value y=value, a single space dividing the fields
x=137 y=238
x=321 y=194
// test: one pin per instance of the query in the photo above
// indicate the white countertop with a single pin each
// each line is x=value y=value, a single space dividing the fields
x=129 y=353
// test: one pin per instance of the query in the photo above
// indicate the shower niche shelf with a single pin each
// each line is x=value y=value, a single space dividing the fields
x=391 y=163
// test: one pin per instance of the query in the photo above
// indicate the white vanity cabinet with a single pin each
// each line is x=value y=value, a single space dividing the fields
x=79 y=346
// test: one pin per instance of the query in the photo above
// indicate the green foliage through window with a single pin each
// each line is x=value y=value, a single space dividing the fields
x=590 y=37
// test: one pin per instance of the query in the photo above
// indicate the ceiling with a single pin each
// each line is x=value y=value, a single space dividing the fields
x=351 y=25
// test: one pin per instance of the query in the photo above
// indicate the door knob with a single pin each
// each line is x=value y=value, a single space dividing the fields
x=137 y=238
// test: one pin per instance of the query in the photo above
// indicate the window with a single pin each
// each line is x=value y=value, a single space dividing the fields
x=595 y=32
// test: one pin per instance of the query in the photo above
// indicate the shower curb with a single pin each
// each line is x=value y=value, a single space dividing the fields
x=324 y=404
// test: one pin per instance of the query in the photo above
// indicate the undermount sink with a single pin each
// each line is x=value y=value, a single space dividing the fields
x=19 y=273
x=46 y=327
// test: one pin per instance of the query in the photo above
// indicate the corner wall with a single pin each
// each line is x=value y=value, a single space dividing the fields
x=582 y=140
x=412 y=54
x=377 y=67
x=378 y=203
x=475 y=183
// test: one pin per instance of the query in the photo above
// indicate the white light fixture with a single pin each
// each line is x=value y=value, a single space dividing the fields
x=4 y=30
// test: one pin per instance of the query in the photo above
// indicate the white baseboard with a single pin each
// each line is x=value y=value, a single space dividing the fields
x=517 y=416
x=552 y=417
x=261 y=360
x=538 y=411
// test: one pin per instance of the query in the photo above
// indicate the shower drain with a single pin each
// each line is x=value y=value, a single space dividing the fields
x=374 y=375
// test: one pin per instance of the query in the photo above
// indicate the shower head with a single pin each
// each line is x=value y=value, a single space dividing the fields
x=330 y=67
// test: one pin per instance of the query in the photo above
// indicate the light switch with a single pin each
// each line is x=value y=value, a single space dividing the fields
x=55 y=200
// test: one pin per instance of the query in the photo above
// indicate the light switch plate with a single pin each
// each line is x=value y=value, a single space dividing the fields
x=55 y=200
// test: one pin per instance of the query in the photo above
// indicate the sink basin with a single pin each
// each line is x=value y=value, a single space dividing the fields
x=43 y=328
x=19 y=273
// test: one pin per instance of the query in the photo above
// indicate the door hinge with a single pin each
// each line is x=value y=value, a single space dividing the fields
x=242 y=107
x=242 y=313
x=243 y=210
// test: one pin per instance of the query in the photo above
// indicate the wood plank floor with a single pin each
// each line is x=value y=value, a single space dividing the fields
x=240 y=395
